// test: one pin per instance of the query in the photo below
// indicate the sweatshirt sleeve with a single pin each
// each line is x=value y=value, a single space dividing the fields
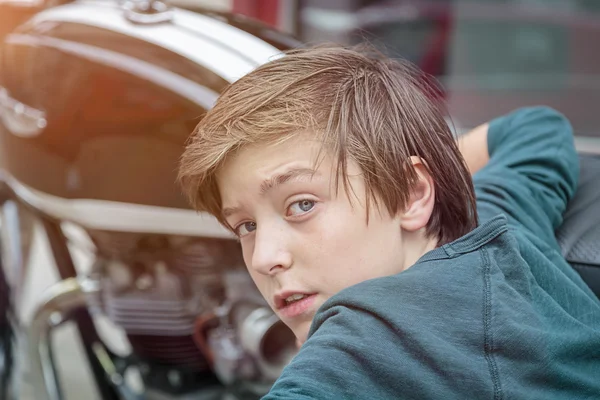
x=533 y=170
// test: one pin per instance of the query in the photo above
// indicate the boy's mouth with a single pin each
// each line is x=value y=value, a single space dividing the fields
x=293 y=304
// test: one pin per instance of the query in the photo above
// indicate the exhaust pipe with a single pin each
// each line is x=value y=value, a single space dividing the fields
x=60 y=302
x=267 y=339
x=247 y=330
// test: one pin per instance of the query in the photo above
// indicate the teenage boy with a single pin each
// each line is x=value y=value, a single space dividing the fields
x=358 y=220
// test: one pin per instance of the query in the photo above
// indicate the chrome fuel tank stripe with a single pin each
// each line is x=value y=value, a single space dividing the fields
x=202 y=49
x=122 y=217
x=246 y=45
x=186 y=88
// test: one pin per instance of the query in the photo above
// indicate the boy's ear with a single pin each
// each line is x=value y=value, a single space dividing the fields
x=418 y=211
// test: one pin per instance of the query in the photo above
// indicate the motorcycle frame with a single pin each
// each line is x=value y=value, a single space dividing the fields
x=70 y=293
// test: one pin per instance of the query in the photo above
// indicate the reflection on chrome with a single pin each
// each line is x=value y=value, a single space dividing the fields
x=58 y=304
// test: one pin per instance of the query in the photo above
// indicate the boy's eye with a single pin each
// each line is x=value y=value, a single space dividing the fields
x=245 y=228
x=300 y=207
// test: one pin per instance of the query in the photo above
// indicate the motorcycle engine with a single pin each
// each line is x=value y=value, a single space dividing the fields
x=188 y=305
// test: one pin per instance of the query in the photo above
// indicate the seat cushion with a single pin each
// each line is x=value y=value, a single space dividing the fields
x=579 y=234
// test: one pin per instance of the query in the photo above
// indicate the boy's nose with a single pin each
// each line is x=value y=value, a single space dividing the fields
x=270 y=254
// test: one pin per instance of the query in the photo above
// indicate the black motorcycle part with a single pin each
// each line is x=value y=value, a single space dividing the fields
x=579 y=235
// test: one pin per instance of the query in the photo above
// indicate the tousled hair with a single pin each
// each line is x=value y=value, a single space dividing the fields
x=365 y=107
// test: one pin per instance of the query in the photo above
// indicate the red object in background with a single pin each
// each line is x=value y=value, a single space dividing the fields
x=266 y=11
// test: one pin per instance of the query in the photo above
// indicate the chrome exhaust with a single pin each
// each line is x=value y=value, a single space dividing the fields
x=59 y=303
x=267 y=339
x=250 y=344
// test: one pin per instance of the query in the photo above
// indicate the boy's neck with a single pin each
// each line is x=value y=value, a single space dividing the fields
x=415 y=245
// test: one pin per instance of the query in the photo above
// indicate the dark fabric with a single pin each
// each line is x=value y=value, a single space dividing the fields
x=496 y=314
x=579 y=234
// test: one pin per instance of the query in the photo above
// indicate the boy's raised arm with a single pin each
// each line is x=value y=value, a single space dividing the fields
x=525 y=166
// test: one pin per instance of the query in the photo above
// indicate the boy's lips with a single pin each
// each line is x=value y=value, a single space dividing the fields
x=295 y=308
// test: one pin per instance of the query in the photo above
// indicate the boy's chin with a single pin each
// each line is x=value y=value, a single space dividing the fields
x=301 y=333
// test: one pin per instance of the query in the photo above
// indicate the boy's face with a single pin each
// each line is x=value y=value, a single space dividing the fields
x=298 y=237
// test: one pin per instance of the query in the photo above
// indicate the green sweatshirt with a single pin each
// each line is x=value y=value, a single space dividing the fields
x=496 y=314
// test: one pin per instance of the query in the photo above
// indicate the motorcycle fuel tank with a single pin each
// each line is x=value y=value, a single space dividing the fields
x=96 y=101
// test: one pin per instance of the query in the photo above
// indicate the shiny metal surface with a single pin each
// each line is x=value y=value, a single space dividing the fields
x=98 y=107
x=97 y=100
x=266 y=338
x=21 y=119
x=16 y=236
x=147 y=12
x=16 y=228
x=58 y=304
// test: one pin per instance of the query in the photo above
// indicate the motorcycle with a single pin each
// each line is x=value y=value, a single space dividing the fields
x=97 y=100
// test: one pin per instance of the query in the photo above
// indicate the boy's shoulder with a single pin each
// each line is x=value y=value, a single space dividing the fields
x=493 y=300
x=497 y=265
x=445 y=284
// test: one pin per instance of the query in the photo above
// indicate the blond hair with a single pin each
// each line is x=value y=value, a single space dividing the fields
x=365 y=107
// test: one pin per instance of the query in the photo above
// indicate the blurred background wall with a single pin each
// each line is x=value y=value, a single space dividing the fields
x=490 y=56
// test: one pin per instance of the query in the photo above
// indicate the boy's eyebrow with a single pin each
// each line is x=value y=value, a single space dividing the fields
x=272 y=182
x=284 y=177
